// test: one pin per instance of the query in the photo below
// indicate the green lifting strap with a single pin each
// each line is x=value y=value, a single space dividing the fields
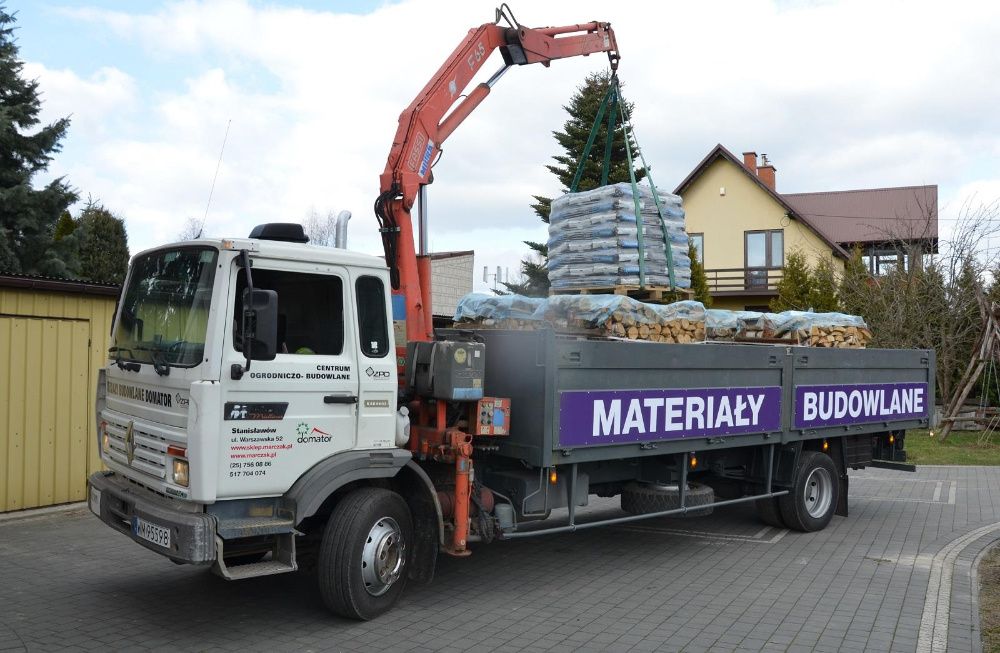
x=629 y=129
x=606 y=167
x=593 y=137
x=638 y=207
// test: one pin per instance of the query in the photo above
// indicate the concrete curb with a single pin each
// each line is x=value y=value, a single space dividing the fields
x=36 y=513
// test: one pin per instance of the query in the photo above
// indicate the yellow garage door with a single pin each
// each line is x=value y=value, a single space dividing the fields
x=44 y=411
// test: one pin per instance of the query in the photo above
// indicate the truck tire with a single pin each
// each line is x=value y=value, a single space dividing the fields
x=769 y=512
x=642 y=498
x=364 y=553
x=810 y=504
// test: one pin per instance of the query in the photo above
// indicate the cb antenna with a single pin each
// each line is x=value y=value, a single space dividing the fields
x=214 y=178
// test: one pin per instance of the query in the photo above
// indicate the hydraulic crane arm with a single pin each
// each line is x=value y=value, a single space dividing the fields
x=434 y=114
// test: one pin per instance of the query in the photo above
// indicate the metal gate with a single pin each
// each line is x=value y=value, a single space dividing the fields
x=44 y=411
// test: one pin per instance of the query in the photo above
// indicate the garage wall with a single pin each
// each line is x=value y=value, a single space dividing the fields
x=52 y=342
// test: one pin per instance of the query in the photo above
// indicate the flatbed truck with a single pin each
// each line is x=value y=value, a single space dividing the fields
x=270 y=404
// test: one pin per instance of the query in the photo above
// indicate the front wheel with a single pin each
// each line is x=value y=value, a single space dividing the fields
x=364 y=553
x=810 y=504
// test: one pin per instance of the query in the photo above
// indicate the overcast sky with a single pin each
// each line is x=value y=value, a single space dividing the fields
x=840 y=95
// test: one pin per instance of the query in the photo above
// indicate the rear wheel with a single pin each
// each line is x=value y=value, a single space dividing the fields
x=769 y=512
x=810 y=504
x=364 y=554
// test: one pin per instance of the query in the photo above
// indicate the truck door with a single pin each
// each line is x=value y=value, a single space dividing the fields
x=285 y=415
x=377 y=367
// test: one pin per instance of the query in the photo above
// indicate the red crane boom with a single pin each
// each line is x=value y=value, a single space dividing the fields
x=434 y=114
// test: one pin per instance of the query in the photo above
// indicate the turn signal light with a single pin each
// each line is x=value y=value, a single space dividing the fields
x=826 y=445
x=892 y=439
x=553 y=477
x=177 y=452
x=694 y=461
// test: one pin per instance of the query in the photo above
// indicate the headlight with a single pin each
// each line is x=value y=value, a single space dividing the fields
x=181 y=472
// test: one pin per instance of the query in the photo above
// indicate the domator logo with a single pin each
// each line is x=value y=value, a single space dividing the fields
x=314 y=435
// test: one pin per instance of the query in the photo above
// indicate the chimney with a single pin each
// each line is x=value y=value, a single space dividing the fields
x=766 y=173
x=750 y=161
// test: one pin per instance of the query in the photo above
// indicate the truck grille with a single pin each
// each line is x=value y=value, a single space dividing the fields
x=147 y=449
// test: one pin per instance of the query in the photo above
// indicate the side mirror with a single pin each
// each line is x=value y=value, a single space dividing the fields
x=260 y=324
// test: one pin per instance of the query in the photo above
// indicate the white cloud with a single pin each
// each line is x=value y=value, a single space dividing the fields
x=841 y=95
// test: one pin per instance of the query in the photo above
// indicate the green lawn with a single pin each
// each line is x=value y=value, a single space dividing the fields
x=961 y=448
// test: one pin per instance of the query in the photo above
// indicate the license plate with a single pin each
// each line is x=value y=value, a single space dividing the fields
x=95 y=501
x=151 y=532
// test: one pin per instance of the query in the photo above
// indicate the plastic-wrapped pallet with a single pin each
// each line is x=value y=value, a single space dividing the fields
x=824 y=329
x=498 y=311
x=804 y=327
x=594 y=239
x=623 y=317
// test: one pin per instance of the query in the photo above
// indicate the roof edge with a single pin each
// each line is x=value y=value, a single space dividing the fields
x=76 y=286
x=720 y=151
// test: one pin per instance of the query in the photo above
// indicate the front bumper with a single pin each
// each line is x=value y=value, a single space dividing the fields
x=192 y=533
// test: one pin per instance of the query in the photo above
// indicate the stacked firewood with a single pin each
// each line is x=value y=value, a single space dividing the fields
x=620 y=316
x=841 y=337
x=615 y=316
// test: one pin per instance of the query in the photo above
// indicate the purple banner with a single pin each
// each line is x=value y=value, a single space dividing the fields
x=614 y=416
x=858 y=403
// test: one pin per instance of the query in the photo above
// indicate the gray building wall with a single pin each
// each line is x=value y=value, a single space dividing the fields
x=451 y=279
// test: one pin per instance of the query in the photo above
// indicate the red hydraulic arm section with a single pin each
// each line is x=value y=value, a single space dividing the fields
x=433 y=115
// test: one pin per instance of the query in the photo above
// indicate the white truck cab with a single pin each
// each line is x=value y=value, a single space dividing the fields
x=205 y=438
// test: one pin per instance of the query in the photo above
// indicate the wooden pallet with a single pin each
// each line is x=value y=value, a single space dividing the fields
x=656 y=294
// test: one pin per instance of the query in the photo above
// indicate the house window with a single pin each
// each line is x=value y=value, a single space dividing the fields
x=763 y=251
x=882 y=261
x=698 y=240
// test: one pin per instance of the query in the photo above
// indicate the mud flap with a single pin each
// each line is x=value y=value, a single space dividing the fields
x=842 y=496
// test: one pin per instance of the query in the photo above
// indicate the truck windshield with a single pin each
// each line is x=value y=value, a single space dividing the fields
x=164 y=313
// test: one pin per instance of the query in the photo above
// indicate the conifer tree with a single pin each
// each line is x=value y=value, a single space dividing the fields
x=582 y=110
x=28 y=216
x=823 y=298
x=796 y=286
x=103 y=244
x=699 y=281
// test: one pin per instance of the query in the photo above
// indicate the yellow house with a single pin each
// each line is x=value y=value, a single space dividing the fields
x=743 y=229
x=53 y=338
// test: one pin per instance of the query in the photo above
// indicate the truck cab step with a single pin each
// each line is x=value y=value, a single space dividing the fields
x=254 y=569
x=282 y=559
x=232 y=529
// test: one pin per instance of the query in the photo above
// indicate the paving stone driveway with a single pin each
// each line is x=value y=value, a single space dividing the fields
x=716 y=583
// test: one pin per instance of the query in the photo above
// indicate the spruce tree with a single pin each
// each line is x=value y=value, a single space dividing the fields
x=28 y=216
x=582 y=110
x=103 y=245
x=823 y=298
x=699 y=281
x=796 y=286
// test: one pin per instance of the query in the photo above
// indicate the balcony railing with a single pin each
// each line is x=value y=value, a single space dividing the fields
x=743 y=281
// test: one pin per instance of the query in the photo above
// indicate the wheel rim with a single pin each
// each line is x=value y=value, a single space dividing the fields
x=817 y=495
x=383 y=556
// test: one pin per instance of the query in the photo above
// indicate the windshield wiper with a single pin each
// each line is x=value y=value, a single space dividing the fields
x=127 y=366
x=160 y=365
